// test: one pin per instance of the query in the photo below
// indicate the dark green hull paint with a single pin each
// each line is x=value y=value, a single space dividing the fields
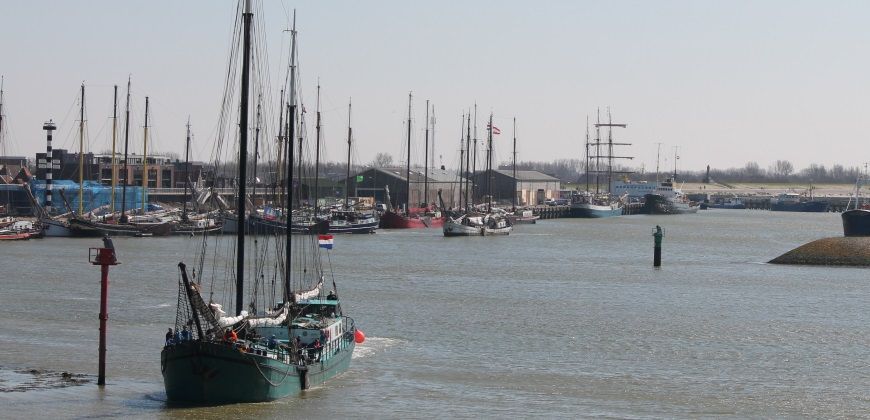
x=215 y=373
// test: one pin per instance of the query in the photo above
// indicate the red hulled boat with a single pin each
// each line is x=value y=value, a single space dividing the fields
x=415 y=218
x=418 y=218
x=14 y=236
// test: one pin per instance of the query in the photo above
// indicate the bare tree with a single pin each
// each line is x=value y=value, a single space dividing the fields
x=837 y=172
x=753 y=171
x=382 y=160
x=782 y=168
x=815 y=172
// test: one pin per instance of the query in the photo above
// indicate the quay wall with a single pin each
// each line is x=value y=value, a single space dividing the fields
x=762 y=202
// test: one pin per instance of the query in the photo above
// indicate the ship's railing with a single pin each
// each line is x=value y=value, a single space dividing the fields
x=336 y=346
x=261 y=348
x=284 y=353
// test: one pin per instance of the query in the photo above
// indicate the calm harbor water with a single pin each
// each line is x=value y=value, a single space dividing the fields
x=566 y=318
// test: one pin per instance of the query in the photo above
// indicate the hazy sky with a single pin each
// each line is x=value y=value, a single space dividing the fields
x=728 y=81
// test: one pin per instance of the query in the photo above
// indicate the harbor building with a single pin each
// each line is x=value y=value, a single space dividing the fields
x=532 y=187
x=13 y=170
x=163 y=171
x=372 y=182
x=14 y=174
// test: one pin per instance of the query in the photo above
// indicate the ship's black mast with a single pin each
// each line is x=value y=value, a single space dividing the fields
x=609 y=124
x=474 y=157
x=587 y=153
x=461 y=158
x=347 y=177
x=299 y=161
x=408 y=163
x=489 y=166
x=597 y=150
x=82 y=153
x=289 y=132
x=256 y=152
x=145 y=160
x=186 y=171
x=609 y=150
x=317 y=156
x=114 y=142
x=426 y=161
x=274 y=180
x=514 y=205
x=288 y=154
x=126 y=146
x=243 y=157
x=467 y=160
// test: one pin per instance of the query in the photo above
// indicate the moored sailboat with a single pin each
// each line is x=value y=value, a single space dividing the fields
x=590 y=205
x=347 y=219
x=519 y=216
x=408 y=217
x=192 y=224
x=477 y=223
x=138 y=227
x=599 y=203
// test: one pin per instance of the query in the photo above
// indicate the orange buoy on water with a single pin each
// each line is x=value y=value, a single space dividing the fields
x=359 y=337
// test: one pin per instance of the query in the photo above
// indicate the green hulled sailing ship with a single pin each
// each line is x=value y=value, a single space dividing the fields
x=287 y=334
x=253 y=359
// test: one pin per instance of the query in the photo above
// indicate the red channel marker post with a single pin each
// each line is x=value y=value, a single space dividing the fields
x=104 y=257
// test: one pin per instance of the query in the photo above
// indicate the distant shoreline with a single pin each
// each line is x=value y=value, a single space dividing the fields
x=761 y=188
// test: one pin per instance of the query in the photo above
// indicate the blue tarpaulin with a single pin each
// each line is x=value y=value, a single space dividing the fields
x=94 y=195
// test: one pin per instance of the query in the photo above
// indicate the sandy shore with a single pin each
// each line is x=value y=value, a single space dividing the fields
x=853 y=251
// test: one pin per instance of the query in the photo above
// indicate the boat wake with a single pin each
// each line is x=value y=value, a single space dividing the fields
x=156 y=397
x=375 y=345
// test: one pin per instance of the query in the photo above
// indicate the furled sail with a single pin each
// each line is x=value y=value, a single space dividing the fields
x=226 y=321
x=222 y=320
x=308 y=294
x=269 y=321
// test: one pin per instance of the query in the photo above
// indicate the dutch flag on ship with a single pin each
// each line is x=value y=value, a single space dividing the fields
x=325 y=241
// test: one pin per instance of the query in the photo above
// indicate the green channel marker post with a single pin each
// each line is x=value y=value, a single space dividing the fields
x=658 y=233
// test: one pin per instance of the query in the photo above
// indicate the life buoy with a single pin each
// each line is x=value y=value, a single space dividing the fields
x=326 y=334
